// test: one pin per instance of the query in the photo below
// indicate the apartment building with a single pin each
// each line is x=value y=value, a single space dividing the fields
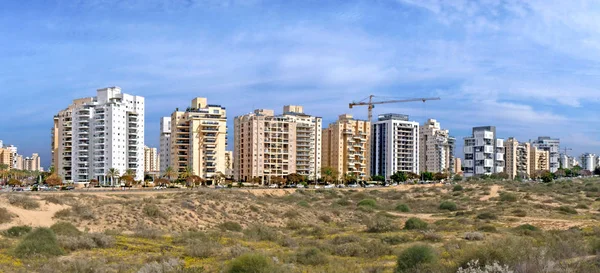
x=539 y=159
x=395 y=146
x=484 y=152
x=151 y=160
x=457 y=166
x=164 y=151
x=199 y=139
x=589 y=162
x=228 y=163
x=265 y=146
x=517 y=158
x=308 y=141
x=96 y=134
x=5 y=157
x=436 y=148
x=552 y=145
x=346 y=147
x=32 y=163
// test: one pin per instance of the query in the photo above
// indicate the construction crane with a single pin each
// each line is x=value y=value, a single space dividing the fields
x=567 y=149
x=371 y=104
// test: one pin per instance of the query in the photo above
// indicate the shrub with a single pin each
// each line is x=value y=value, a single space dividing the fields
x=311 y=256
x=487 y=216
x=84 y=212
x=508 y=197
x=303 y=204
x=448 y=205
x=415 y=256
x=39 y=242
x=231 y=226
x=474 y=236
x=152 y=210
x=102 y=240
x=343 y=202
x=431 y=236
x=62 y=214
x=250 y=263
x=147 y=232
x=475 y=267
x=526 y=229
x=519 y=213
x=52 y=199
x=380 y=223
x=367 y=203
x=65 y=229
x=487 y=228
x=261 y=233
x=17 y=231
x=403 y=207
x=415 y=223
x=291 y=214
x=5 y=216
x=567 y=210
x=23 y=201
x=202 y=248
x=325 y=218
x=396 y=239
x=582 y=206
x=76 y=242
x=457 y=188
x=365 y=249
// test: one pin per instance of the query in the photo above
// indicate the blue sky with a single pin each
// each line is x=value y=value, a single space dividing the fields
x=530 y=68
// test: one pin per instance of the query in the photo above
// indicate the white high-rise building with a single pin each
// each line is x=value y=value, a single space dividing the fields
x=436 y=148
x=484 y=152
x=164 y=150
x=589 y=162
x=96 y=134
x=552 y=145
x=394 y=145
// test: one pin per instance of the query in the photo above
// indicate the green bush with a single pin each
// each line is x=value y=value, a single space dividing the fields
x=582 y=206
x=519 y=213
x=415 y=224
x=457 y=188
x=380 y=223
x=396 y=239
x=367 y=203
x=259 y=232
x=304 y=204
x=403 y=207
x=202 y=248
x=250 y=263
x=17 y=231
x=65 y=229
x=39 y=242
x=487 y=228
x=411 y=258
x=311 y=256
x=487 y=216
x=567 y=210
x=231 y=226
x=448 y=205
x=508 y=197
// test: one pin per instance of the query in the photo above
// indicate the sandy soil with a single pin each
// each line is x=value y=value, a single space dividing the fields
x=493 y=193
x=41 y=217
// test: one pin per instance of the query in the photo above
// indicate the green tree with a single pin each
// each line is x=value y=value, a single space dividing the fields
x=170 y=173
x=547 y=177
x=378 y=178
x=329 y=174
x=112 y=173
x=350 y=178
x=295 y=178
x=427 y=176
x=597 y=171
x=399 y=177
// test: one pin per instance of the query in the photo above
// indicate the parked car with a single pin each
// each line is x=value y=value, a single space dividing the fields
x=273 y=186
x=329 y=186
x=317 y=187
x=353 y=186
x=300 y=186
x=219 y=186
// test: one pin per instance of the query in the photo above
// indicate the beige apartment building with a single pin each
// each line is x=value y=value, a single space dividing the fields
x=6 y=157
x=151 y=160
x=228 y=163
x=539 y=159
x=265 y=146
x=199 y=139
x=435 y=148
x=517 y=159
x=457 y=166
x=346 y=146
x=308 y=141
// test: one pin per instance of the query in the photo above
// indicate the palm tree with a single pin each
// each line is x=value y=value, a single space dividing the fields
x=187 y=172
x=170 y=173
x=130 y=172
x=112 y=173
x=219 y=178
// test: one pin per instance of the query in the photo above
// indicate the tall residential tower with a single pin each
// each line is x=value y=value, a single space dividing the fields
x=394 y=145
x=484 y=152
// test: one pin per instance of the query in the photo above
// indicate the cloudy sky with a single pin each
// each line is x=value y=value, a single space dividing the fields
x=530 y=67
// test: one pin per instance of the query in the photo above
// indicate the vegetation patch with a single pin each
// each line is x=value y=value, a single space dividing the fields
x=415 y=224
x=448 y=205
x=41 y=242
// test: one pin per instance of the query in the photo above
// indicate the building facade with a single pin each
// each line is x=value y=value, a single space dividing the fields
x=552 y=145
x=265 y=147
x=436 y=148
x=539 y=159
x=164 y=151
x=151 y=160
x=589 y=162
x=228 y=164
x=94 y=135
x=308 y=141
x=457 y=166
x=199 y=139
x=517 y=158
x=484 y=152
x=346 y=147
x=395 y=146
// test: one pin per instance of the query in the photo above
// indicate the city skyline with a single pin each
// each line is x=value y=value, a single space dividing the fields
x=517 y=77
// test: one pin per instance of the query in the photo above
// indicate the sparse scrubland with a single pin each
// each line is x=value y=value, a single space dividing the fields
x=481 y=226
